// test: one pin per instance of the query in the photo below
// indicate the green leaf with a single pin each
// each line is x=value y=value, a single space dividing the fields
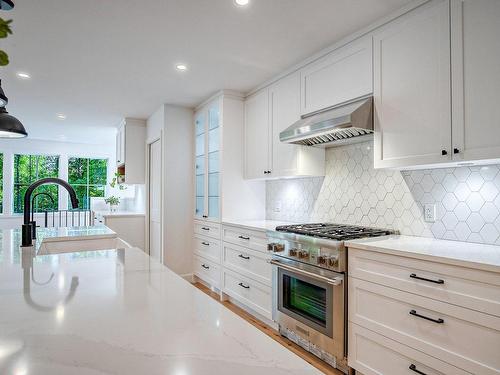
x=5 y=29
x=4 y=58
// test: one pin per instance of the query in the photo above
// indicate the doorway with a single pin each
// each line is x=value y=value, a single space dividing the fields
x=155 y=203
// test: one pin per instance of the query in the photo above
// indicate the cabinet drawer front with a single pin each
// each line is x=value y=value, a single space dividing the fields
x=474 y=289
x=207 y=229
x=248 y=292
x=207 y=271
x=373 y=354
x=251 y=239
x=465 y=338
x=251 y=263
x=207 y=247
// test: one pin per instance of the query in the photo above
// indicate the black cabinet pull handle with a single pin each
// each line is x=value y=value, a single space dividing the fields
x=414 y=313
x=205 y=243
x=444 y=152
x=414 y=369
x=456 y=151
x=244 y=257
x=205 y=266
x=438 y=281
x=244 y=238
x=244 y=286
x=205 y=216
x=205 y=228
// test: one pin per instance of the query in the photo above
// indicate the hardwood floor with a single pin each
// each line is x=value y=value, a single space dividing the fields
x=272 y=333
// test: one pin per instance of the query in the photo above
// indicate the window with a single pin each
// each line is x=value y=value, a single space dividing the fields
x=30 y=168
x=88 y=178
x=1 y=183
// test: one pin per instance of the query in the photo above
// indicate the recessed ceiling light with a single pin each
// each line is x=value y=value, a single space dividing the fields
x=23 y=75
x=241 y=3
x=181 y=67
x=61 y=116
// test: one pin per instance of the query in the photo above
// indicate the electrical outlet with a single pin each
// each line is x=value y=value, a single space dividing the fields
x=430 y=213
x=277 y=207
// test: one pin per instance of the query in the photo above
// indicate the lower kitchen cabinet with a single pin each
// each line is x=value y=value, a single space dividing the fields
x=208 y=271
x=250 y=263
x=438 y=318
x=129 y=227
x=374 y=354
x=249 y=292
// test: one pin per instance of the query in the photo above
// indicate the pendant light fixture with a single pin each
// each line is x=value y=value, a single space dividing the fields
x=10 y=127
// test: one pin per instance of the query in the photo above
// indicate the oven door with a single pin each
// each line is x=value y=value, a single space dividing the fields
x=309 y=301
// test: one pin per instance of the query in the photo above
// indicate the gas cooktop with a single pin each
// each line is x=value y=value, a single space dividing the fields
x=339 y=232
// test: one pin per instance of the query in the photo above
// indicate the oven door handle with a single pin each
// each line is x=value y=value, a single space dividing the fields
x=335 y=281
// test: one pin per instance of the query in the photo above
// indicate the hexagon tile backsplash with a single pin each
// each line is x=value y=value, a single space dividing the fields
x=467 y=199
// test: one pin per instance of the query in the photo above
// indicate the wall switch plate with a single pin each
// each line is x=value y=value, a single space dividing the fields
x=430 y=213
x=277 y=206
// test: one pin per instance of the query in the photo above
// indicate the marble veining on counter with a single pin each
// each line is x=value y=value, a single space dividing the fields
x=260 y=225
x=121 y=312
x=480 y=256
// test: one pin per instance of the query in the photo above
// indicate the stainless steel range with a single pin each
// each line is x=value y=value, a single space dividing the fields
x=309 y=285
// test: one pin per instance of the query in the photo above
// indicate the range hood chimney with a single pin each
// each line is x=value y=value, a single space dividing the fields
x=349 y=122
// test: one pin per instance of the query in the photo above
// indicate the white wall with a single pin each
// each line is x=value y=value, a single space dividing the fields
x=45 y=147
x=174 y=125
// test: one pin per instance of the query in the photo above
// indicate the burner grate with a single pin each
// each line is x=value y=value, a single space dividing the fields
x=339 y=232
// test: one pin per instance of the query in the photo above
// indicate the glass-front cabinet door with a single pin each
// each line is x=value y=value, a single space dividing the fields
x=207 y=133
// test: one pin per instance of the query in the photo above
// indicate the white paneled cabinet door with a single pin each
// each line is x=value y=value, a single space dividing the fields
x=411 y=62
x=285 y=110
x=257 y=136
x=342 y=75
x=476 y=79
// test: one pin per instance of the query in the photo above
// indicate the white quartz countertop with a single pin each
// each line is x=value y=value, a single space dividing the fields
x=73 y=233
x=119 y=213
x=121 y=312
x=479 y=256
x=260 y=225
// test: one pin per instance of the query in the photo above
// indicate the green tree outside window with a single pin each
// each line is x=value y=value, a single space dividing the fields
x=88 y=178
x=30 y=168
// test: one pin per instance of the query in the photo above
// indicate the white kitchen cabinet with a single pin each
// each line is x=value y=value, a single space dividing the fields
x=475 y=26
x=129 y=227
x=411 y=63
x=131 y=151
x=344 y=74
x=257 y=135
x=268 y=113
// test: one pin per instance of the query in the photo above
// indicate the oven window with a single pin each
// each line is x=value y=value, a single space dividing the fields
x=305 y=299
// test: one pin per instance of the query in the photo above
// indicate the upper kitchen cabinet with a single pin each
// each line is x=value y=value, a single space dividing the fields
x=269 y=112
x=411 y=63
x=219 y=154
x=207 y=161
x=476 y=79
x=342 y=75
x=130 y=151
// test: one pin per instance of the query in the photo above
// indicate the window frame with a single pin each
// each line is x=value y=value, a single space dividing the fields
x=88 y=185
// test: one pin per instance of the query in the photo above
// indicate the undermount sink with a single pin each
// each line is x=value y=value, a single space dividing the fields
x=64 y=245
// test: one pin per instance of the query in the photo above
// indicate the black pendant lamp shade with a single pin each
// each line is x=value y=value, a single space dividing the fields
x=10 y=127
x=6 y=4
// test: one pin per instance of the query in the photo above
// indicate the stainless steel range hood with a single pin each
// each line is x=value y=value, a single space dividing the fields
x=346 y=123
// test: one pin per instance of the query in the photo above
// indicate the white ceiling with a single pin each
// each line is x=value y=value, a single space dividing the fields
x=98 y=61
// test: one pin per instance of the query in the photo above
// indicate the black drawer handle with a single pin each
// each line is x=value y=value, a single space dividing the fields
x=205 y=266
x=414 y=369
x=244 y=257
x=205 y=228
x=438 y=281
x=244 y=238
x=205 y=243
x=414 y=313
x=205 y=216
x=244 y=286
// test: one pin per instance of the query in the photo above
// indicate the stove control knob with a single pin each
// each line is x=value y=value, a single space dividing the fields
x=322 y=259
x=275 y=247
x=303 y=254
x=333 y=261
x=293 y=252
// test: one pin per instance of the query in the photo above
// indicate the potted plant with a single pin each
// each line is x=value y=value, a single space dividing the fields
x=113 y=202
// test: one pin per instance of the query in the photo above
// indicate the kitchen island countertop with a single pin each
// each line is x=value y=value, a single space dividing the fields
x=121 y=312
